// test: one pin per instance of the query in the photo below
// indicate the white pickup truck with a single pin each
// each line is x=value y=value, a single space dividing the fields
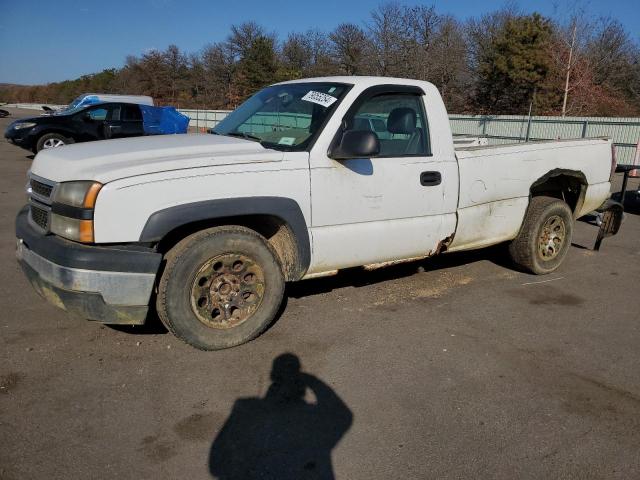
x=304 y=179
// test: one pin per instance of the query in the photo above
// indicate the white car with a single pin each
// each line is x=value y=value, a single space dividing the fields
x=210 y=227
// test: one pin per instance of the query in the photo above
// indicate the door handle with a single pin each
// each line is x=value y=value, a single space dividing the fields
x=430 y=179
x=109 y=130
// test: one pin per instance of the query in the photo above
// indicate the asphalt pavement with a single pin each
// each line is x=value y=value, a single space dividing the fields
x=454 y=367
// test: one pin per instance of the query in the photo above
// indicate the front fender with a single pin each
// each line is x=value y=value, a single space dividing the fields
x=164 y=221
x=39 y=130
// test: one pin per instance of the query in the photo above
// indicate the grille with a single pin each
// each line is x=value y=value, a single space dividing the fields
x=40 y=188
x=40 y=216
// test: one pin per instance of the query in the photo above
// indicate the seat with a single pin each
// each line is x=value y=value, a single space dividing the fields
x=403 y=121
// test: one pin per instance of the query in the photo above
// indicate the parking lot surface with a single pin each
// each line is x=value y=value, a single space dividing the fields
x=453 y=367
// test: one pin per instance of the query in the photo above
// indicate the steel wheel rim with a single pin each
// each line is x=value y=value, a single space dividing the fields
x=52 y=143
x=552 y=238
x=227 y=290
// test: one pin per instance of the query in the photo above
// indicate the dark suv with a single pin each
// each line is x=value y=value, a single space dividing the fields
x=94 y=122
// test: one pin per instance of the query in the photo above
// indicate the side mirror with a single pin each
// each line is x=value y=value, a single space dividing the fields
x=356 y=144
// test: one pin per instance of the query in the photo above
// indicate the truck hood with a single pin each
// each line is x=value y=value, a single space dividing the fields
x=108 y=160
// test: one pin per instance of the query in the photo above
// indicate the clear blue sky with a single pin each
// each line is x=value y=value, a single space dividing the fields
x=45 y=41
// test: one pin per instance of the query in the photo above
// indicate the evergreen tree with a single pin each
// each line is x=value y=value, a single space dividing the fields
x=257 y=68
x=513 y=71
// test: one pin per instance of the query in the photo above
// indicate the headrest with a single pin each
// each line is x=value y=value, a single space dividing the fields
x=402 y=120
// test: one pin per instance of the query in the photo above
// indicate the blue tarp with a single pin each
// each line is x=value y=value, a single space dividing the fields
x=163 y=120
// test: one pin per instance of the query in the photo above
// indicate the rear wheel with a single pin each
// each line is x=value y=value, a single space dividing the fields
x=52 y=140
x=545 y=236
x=221 y=287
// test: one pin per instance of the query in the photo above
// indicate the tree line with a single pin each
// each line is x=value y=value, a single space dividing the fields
x=505 y=62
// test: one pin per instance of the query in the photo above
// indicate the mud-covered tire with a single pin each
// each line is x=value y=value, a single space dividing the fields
x=545 y=236
x=191 y=287
x=52 y=140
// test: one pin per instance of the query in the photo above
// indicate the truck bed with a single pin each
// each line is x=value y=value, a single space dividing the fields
x=495 y=183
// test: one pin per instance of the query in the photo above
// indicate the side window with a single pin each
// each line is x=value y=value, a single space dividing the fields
x=98 y=114
x=397 y=120
x=130 y=113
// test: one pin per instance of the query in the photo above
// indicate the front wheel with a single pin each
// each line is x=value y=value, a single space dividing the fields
x=52 y=140
x=545 y=236
x=221 y=287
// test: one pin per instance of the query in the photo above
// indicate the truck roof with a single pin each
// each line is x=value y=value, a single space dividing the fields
x=364 y=81
x=117 y=97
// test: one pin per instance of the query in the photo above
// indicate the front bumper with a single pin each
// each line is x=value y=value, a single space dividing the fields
x=106 y=284
x=20 y=137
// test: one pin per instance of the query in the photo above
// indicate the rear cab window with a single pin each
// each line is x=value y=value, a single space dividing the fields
x=130 y=113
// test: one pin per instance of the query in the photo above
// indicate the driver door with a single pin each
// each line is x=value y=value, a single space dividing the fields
x=125 y=121
x=396 y=205
x=91 y=122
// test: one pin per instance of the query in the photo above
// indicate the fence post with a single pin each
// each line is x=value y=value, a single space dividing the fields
x=484 y=125
x=584 y=128
x=526 y=137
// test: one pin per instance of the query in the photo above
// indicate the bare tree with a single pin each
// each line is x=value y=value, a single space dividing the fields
x=242 y=37
x=417 y=40
x=218 y=65
x=296 y=55
x=387 y=33
x=321 y=60
x=572 y=31
x=350 y=46
x=448 y=65
x=151 y=73
x=176 y=66
x=610 y=52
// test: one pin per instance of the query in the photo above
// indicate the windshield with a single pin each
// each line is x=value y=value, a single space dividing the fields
x=71 y=107
x=82 y=101
x=75 y=103
x=285 y=116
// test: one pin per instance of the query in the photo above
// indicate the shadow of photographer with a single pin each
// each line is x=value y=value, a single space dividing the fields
x=282 y=435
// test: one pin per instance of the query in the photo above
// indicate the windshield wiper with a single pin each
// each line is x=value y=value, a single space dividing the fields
x=246 y=136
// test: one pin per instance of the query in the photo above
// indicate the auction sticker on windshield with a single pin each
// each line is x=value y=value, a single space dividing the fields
x=319 y=98
x=287 y=141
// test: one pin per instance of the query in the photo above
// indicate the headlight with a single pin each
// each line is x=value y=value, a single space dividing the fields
x=70 y=220
x=21 y=125
x=72 y=228
x=77 y=194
